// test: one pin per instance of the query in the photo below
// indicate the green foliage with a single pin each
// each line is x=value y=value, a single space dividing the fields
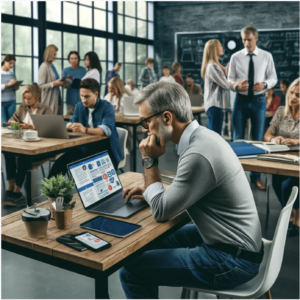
x=58 y=187
x=15 y=126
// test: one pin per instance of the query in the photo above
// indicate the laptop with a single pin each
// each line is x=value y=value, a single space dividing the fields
x=129 y=109
x=51 y=126
x=99 y=187
x=196 y=100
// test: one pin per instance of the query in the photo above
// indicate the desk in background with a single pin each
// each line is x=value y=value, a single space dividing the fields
x=96 y=265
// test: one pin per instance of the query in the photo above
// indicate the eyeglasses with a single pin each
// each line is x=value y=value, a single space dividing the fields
x=145 y=122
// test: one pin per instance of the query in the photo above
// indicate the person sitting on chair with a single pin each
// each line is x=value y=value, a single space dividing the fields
x=91 y=116
x=16 y=172
x=223 y=247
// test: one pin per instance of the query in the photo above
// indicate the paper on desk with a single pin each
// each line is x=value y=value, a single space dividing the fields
x=4 y=131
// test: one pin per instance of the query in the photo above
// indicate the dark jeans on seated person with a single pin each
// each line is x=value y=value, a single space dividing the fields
x=182 y=259
x=255 y=109
x=283 y=186
x=60 y=166
x=215 y=119
x=18 y=170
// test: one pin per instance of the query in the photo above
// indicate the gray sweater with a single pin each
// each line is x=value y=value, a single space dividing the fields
x=211 y=185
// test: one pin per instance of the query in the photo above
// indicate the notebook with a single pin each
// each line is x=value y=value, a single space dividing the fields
x=284 y=158
x=272 y=147
x=245 y=150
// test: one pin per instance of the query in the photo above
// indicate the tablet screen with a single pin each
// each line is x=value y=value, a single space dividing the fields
x=111 y=226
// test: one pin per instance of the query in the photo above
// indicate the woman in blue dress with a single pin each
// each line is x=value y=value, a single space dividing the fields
x=75 y=71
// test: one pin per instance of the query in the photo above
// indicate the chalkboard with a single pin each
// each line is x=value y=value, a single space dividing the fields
x=282 y=44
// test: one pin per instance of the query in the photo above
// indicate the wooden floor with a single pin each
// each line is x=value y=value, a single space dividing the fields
x=25 y=278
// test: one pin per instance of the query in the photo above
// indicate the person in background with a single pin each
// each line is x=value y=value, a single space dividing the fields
x=176 y=71
x=116 y=94
x=258 y=67
x=284 y=130
x=216 y=87
x=16 y=172
x=272 y=103
x=49 y=82
x=130 y=88
x=284 y=84
x=76 y=71
x=91 y=116
x=92 y=62
x=148 y=75
x=111 y=74
x=8 y=94
x=191 y=87
x=167 y=75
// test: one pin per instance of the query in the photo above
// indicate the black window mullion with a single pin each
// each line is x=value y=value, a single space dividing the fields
x=136 y=29
x=31 y=6
x=32 y=64
x=13 y=3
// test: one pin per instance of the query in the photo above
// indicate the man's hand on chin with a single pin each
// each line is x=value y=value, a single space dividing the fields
x=149 y=147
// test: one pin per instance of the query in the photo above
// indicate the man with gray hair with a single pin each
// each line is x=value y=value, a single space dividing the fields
x=130 y=88
x=257 y=66
x=223 y=247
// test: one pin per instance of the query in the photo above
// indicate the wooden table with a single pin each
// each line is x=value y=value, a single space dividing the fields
x=39 y=150
x=133 y=122
x=92 y=264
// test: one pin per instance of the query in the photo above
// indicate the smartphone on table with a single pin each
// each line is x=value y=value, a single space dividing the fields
x=68 y=241
x=91 y=241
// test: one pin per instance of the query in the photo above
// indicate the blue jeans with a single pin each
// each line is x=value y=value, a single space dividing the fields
x=256 y=111
x=180 y=260
x=215 y=119
x=282 y=186
x=8 y=108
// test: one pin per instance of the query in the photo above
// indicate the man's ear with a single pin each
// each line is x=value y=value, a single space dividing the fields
x=167 y=117
x=97 y=94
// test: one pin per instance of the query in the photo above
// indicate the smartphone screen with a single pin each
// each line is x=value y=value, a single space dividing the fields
x=68 y=241
x=91 y=240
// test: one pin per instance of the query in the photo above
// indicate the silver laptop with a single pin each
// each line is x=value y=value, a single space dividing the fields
x=99 y=187
x=196 y=100
x=129 y=109
x=51 y=126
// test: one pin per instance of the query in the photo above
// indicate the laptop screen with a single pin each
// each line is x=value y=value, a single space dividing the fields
x=95 y=178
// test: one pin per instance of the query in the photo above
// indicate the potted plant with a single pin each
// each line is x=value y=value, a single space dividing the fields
x=16 y=131
x=56 y=187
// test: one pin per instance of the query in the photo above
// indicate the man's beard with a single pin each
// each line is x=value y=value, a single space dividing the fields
x=164 y=132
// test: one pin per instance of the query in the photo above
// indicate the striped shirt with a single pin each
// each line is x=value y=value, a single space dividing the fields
x=7 y=94
x=216 y=88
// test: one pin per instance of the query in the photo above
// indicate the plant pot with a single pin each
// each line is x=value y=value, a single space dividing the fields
x=52 y=209
x=63 y=218
x=16 y=134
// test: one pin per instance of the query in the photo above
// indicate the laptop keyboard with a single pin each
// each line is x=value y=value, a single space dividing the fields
x=110 y=206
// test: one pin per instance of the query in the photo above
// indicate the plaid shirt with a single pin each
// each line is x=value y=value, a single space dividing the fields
x=146 y=74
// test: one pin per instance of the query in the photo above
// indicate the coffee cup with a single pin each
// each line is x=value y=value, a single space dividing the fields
x=30 y=135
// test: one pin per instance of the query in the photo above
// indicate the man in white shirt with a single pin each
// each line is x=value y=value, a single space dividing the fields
x=258 y=67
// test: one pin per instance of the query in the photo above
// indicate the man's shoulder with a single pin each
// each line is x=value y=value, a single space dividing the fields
x=238 y=54
x=264 y=52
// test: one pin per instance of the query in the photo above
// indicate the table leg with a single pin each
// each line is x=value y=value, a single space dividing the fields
x=28 y=181
x=133 y=154
x=101 y=287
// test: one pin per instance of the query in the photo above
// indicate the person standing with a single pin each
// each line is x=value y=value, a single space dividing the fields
x=8 y=94
x=148 y=75
x=191 y=87
x=111 y=74
x=216 y=87
x=176 y=70
x=76 y=71
x=49 y=82
x=284 y=84
x=167 y=75
x=258 y=67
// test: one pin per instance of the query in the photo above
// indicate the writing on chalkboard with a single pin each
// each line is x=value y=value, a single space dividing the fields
x=282 y=44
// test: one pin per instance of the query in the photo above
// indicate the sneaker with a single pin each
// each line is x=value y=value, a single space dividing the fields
x=7 y=195
x=14 y=199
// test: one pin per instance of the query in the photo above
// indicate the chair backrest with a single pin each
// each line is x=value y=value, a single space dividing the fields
x=123 y=134
x=196 y=100
x=277 y=248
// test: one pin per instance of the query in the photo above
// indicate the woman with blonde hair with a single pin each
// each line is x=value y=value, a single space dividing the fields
x=116 y=94
x=16 y=172
x=216 y=87
x=49 y=81
x=176 y=71
x=284 y=129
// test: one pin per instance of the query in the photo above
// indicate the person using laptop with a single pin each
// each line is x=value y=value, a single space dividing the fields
x=116 y=94
x=223 y=247
x=191 y=87
x=91 y=116
x=16 y=173
x=131 y=87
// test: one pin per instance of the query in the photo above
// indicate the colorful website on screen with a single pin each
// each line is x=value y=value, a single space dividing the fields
x=95 y=178
x=91 y=240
